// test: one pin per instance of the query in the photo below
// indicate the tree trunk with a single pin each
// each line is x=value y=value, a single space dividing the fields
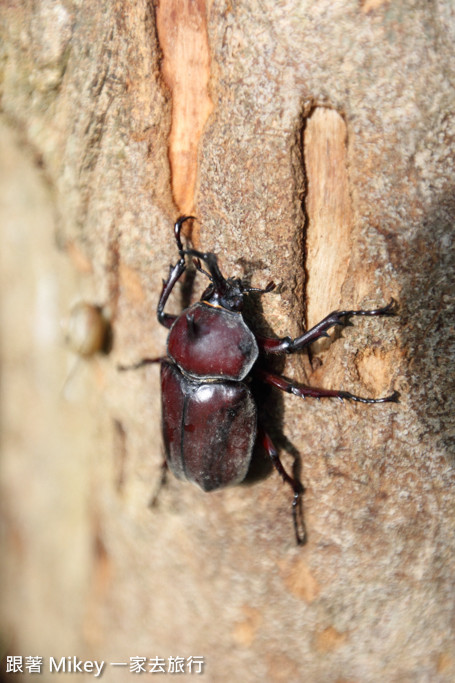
x=315 y=144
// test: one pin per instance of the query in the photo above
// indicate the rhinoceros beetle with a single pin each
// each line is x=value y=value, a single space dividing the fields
x=209 y=415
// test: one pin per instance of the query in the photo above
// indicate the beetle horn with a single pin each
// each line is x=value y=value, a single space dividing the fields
x=217 y=277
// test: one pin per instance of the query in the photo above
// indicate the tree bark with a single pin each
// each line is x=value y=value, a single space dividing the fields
x=315 y=144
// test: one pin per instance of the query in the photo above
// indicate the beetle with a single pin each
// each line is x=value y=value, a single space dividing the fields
x=209 y=416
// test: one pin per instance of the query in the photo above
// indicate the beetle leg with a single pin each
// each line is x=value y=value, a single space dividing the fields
x=199 y=267
x=141 y=363
x=260 y=290
x=216 y=276
x=175 y=272
x=168 y=285
x=177 y=231
x=288 y=345
x=313 y=392
x=297 y=516
x=161 y=483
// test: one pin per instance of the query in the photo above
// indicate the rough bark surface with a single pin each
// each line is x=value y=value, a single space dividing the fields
x=321 y=156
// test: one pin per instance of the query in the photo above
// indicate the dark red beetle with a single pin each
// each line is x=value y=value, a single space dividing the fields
x=209 y=415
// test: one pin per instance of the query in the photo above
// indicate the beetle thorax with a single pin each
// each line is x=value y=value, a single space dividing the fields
x=207 y=341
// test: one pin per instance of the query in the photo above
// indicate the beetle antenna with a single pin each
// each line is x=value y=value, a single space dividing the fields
x=178 y=228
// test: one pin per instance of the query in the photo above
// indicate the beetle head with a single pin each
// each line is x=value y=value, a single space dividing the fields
x=225 y=292
x=228 y=294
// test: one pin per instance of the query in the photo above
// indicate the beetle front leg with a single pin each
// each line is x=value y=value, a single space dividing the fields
x=175 y=272
x=313 y=392
x=141 y=363
x=297 y=515
x=162 y=481
x=288 y=345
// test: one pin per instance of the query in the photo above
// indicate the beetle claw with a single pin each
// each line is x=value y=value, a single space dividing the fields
x=390 y=309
